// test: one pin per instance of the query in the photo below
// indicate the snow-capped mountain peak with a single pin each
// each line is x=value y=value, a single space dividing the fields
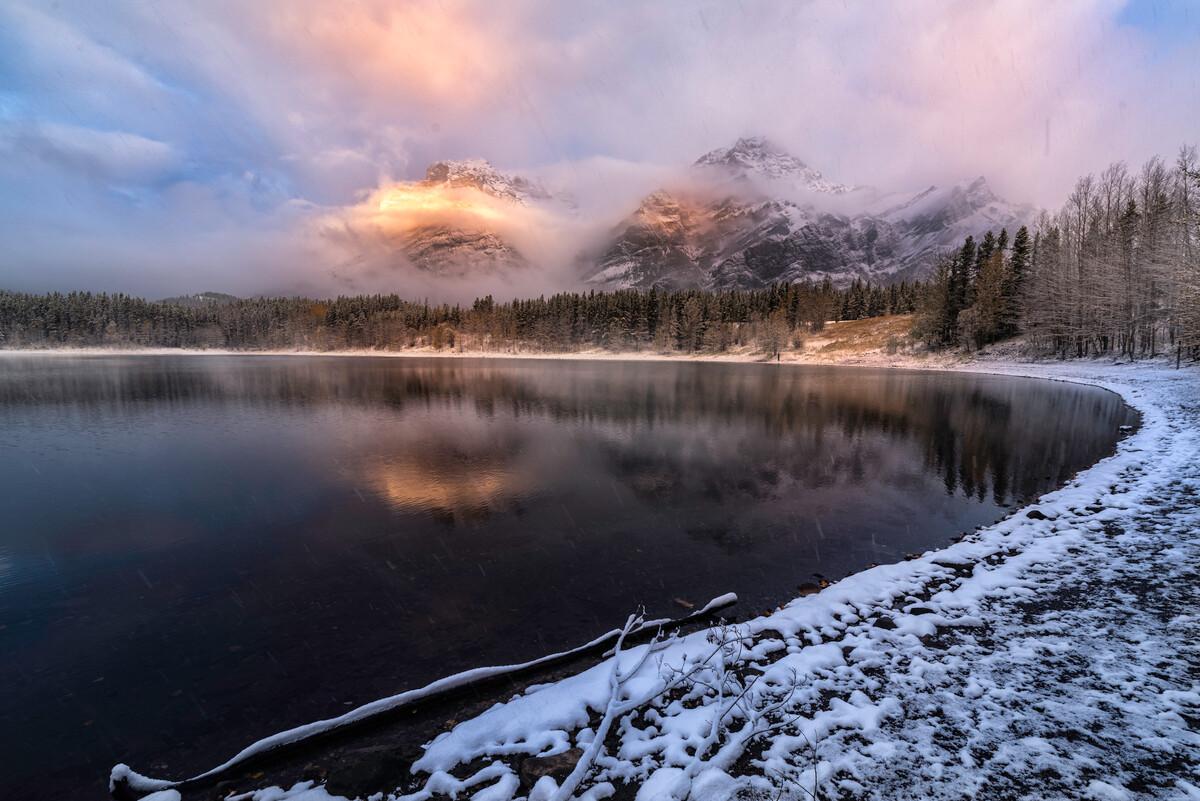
x=754 y=154
x=480 y=174
x=442 y=228
x=758 y=157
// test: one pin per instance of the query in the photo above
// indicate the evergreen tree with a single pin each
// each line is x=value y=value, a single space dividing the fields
x=984 y=252
x=1015 y=277
x=959 y=288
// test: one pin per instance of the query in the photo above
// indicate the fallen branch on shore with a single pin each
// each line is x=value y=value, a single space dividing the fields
x=124 y=782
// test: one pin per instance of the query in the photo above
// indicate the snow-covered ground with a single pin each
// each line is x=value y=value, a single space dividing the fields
x=1053 y=655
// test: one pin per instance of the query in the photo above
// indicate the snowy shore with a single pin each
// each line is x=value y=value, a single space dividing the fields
x=1053 y=655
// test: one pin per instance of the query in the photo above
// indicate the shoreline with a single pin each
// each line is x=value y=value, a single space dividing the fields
x=1003 y=363
x=925 y=602
x=862 y=343
x=898 y=361
x=1103 y=374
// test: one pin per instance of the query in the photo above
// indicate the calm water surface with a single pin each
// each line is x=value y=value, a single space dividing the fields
x=199 y=551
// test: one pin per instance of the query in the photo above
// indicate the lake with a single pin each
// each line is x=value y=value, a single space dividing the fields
x=197 y=551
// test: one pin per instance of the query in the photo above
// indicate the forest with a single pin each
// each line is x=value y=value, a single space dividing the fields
x=771 y=319
x=1116 y=271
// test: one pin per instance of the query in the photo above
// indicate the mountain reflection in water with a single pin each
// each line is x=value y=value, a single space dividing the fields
x=232 y=545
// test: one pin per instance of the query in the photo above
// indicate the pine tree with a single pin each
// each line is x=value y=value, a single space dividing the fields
x=960 y=288
x=1015 y=282
x=984 y=252
x=935 y=321
x=981 y=323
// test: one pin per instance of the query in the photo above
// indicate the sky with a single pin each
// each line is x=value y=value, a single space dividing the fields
x=161 y=148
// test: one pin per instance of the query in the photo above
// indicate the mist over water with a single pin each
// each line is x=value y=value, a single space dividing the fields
x=200 y=551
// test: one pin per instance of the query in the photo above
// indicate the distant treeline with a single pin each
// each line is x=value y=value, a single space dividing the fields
x=1116 y=271
x=771 y=319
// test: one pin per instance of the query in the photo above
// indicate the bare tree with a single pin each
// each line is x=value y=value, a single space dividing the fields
x=1115 y=270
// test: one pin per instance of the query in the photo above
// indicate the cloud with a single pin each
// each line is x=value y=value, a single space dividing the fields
x=235 y=132
x=113 y=157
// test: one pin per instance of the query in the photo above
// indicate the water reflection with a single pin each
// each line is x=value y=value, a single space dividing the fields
x=241 y=544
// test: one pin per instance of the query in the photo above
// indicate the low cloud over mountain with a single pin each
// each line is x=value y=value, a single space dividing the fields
x=740 y=217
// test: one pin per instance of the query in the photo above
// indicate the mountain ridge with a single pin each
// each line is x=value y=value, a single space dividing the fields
x=757 y=156
x=753 y=233
x=480 y=174
x=742 y=217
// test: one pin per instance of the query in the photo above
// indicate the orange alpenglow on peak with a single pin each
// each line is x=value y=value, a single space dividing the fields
x=417 y=199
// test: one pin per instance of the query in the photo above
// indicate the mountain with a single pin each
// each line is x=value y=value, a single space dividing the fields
x=457 y=213
x=754 y=216
x=747 y=216
x=756 y=158
x=455 y=252
x=481 y=175
x=671 y=240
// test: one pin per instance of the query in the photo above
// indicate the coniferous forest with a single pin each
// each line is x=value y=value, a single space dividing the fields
x=688 y=321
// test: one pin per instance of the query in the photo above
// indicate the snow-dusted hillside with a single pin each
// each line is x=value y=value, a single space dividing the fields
x=749 y=224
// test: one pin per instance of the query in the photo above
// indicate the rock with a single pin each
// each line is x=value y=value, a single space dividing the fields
x=162 y=795
x=1036 y=514
x=557 y=766
x=808 y=588
x=885 y=623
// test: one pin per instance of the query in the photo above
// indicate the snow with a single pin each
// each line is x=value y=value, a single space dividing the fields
x=304 y=791
x=481 y=175
x=1036 y=658
x=759 y=157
